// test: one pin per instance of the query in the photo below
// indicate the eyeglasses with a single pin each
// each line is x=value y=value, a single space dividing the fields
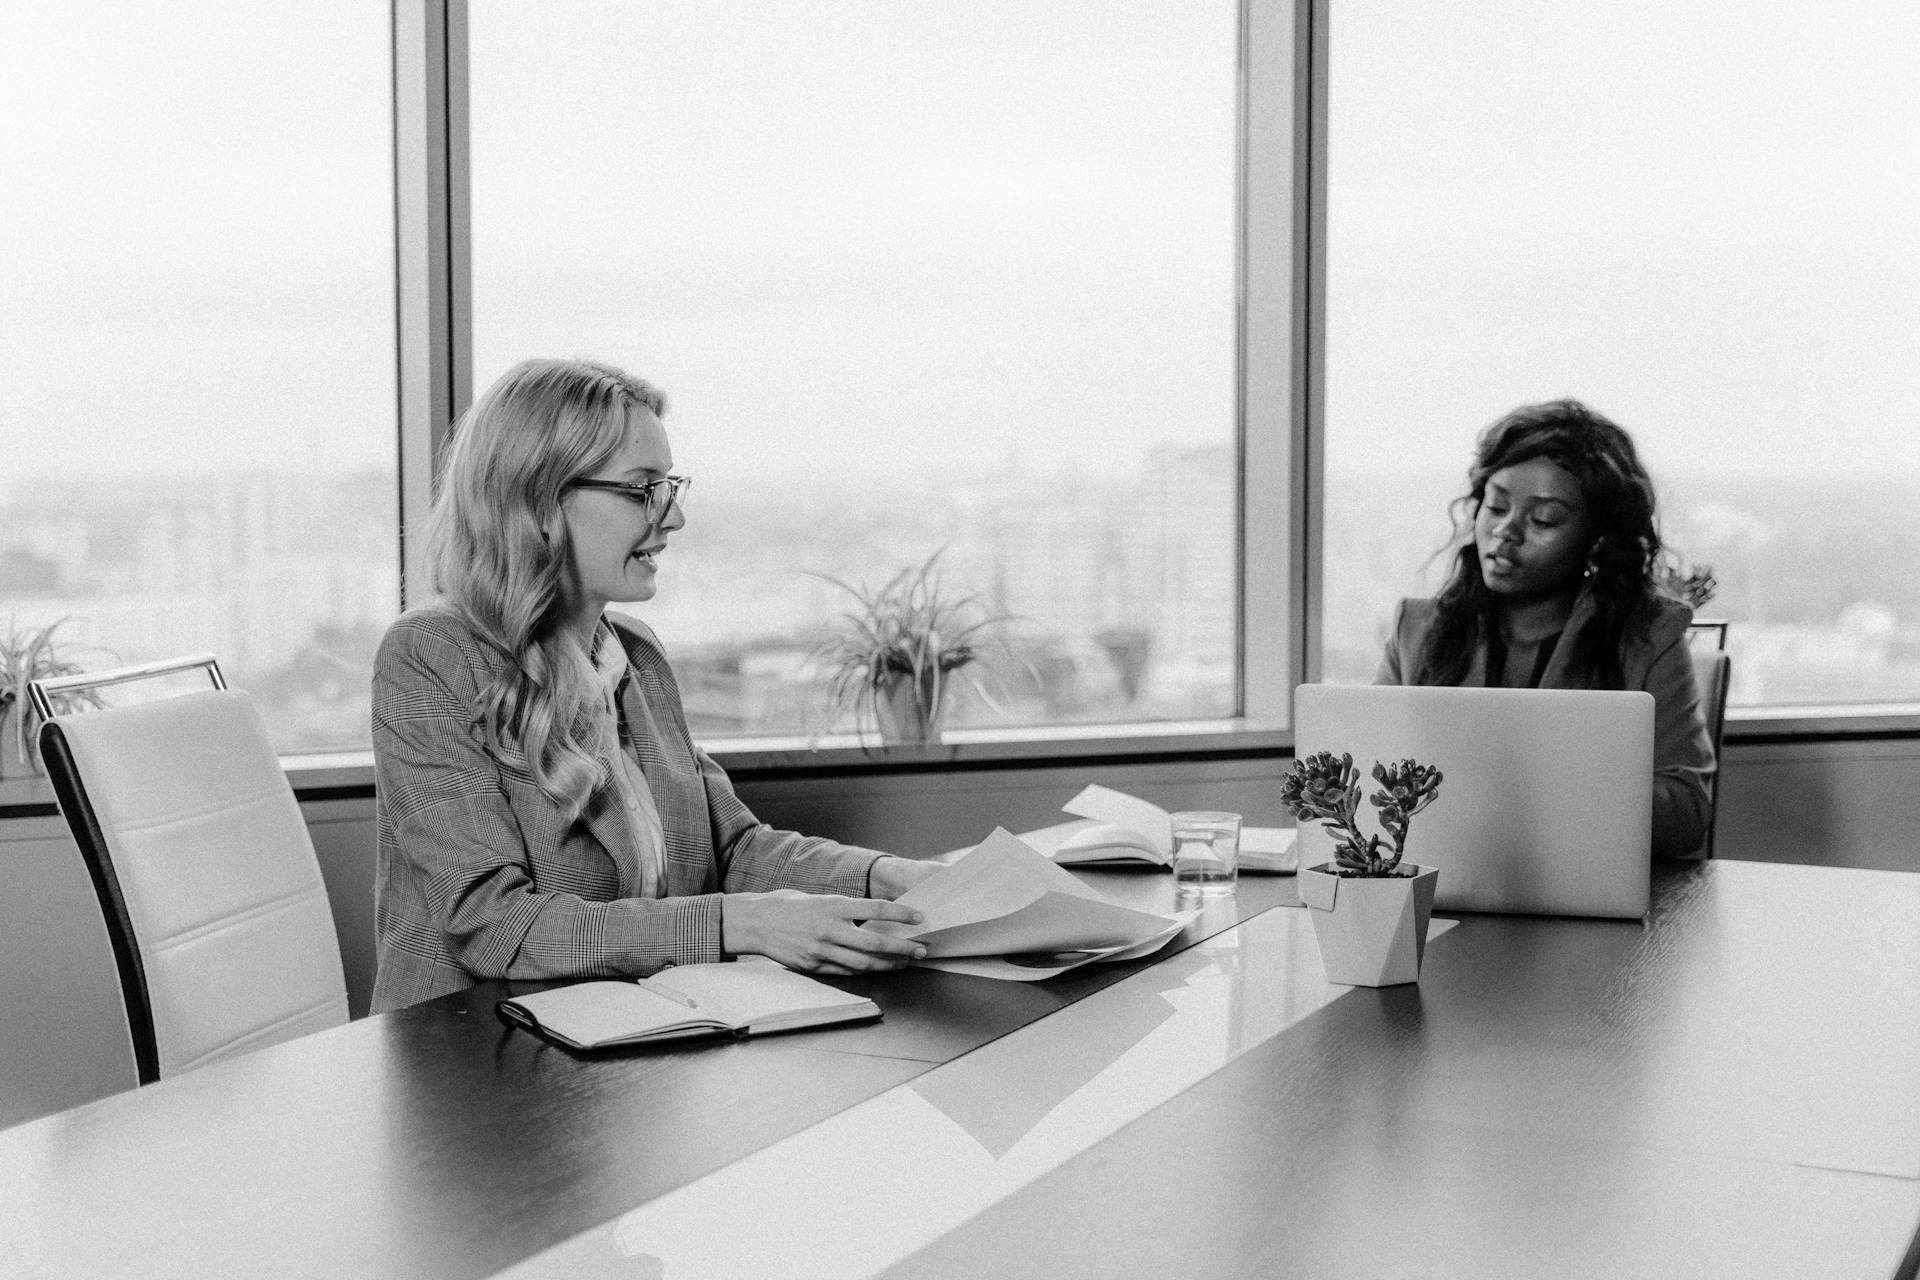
x=654 y=497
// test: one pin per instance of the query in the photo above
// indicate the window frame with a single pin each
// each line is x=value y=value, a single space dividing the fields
x=1280 y=420
x=433 y=249
x=1280 y=425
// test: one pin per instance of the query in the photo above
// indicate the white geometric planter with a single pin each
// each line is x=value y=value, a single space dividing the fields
x=1372 y=932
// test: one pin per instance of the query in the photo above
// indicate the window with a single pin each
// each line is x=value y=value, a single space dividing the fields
x=1699 y=220
x=917 y=278
x=974 y=279
x=197 y=343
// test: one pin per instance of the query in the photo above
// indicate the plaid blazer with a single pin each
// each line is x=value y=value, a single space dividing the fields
x=480 y=874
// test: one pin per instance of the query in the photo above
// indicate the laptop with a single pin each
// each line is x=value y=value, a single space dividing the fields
x=1546 y=800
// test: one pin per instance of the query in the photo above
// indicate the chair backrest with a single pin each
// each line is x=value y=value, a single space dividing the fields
x=206 y=876
x=1710 y=670
x=1707 y=633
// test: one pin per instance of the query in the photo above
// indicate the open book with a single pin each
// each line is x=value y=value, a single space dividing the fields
x=744 y=998
x=1003 y=911
x=1115 y=828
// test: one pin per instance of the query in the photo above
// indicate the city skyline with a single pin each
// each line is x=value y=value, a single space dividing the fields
x=1124 y=596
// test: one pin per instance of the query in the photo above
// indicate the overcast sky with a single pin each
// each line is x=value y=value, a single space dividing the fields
x=1699 y=217
x=935 y=235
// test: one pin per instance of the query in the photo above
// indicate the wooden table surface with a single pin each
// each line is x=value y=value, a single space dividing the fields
x=434 y=1141
x=1732 y=1088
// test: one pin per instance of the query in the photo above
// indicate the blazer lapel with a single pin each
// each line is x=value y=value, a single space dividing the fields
x=1560 y=672
x=612 y=829
x=679 y=793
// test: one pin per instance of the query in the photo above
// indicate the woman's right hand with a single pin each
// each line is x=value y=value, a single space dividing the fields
x=816 y=933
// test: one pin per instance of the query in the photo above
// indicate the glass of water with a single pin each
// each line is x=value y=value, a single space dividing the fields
x=1206 y=855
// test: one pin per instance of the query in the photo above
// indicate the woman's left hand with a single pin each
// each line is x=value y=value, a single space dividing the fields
x=892 y=876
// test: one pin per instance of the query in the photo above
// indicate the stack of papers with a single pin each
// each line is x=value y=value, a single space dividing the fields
x=1001 y=910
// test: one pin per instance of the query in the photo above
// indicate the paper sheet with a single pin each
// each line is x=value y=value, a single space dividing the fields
x=1032 y=966
x=1002 y=899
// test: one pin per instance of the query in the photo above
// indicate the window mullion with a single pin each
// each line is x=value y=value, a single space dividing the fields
x=432 y=251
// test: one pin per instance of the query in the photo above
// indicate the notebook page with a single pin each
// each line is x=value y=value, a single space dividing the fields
x=747 y=993
x=591 y=1013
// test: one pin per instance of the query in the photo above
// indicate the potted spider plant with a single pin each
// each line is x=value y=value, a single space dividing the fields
x=894 y=657
x=27 y=654
x=1370 y=908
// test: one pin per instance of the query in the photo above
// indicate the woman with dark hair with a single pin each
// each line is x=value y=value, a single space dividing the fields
x=543 y=810
x=1555 y=586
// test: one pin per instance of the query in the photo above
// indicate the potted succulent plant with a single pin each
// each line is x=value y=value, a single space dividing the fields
x=27 y=654
x=1370 y=908
x=895 y=656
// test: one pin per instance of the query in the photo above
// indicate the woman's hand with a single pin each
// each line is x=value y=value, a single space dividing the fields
x=891 y=876
x=816 y=933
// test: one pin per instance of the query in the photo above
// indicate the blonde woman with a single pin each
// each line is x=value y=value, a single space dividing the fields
x=543 y=810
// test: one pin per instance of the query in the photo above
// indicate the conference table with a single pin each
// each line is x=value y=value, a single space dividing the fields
x=1728 y=1088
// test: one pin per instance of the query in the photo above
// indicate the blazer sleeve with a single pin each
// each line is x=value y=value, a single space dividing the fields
x=754 y=857
x=1683 y=763
x=466 y=881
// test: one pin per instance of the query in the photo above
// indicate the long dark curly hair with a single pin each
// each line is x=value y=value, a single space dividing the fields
x=1623 y=565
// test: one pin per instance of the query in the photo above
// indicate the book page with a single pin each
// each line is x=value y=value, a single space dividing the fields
x=1096 y=841
x=1104 y=804
x=1046 y=841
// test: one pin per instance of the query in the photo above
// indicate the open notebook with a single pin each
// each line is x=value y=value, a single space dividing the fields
x=1114 y=828
x=742 y=998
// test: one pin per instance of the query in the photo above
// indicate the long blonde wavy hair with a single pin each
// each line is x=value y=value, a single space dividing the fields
x=499 y=553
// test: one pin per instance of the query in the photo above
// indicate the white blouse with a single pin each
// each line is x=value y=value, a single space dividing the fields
x=636 y=797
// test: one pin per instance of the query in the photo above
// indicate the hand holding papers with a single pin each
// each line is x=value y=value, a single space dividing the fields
x=1117 y=828
x=1003 y=911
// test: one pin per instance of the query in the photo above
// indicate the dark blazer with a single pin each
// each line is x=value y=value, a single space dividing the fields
x=1657 y=661
x=482 y=876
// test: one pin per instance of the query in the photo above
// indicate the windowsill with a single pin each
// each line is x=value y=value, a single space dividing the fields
x=348 y=774
x=26 y=798
x=344 y=774
x=971 y=749
x=1862 y=720
x=959 y=749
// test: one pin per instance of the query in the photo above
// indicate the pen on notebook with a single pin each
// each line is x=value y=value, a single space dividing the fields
x=654 y=984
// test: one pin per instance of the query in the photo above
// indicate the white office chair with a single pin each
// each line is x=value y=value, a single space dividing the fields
x=206 y=877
